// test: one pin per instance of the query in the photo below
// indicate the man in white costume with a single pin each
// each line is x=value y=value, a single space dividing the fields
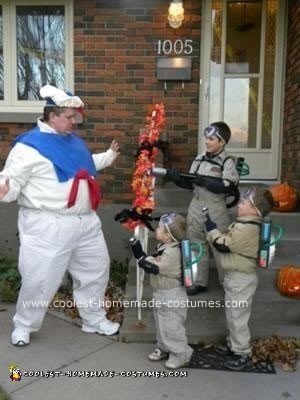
x=51 y=174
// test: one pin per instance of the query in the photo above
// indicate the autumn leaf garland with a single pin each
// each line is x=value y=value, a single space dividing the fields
x=142 y=181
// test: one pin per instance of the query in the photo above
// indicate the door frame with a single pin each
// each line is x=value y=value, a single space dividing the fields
x=278 y=95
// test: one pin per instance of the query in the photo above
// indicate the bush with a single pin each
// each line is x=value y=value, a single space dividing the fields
x=118 y=273
x=10 y=280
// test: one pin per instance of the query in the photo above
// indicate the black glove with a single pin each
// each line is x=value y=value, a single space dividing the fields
x=143 y=216
x=149 y=267
x=173 y=174
x=199 y=180
x=209 y=224
x=136 y=248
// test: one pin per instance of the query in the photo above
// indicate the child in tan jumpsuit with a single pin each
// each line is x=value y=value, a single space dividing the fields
x=238 y=251
x=216 y=176
x=170 y=299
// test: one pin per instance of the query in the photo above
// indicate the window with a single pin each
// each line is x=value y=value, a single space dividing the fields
x=35 y=49
x=1 y=57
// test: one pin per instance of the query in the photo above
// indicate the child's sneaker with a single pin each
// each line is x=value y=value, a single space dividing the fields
x=223 y=350
x=237 y=362
x=158 y=355
x=176 y=361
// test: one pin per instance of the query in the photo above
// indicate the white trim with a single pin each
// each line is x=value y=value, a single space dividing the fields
x=277 y=117
x=206 y=31
x=223 y=61
x=284 y=8
x=10 y=104
x=261 y=78
x=273 y=155
x=6 y=49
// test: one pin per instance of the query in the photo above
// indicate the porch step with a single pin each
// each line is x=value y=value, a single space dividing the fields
x=272 y=312
x=169 y=194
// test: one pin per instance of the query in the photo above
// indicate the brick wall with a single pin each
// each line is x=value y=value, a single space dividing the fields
x=291 y=125
x=115 y=67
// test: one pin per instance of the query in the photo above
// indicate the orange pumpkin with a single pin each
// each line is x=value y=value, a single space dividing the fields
x=285 y=197
x=288 y=281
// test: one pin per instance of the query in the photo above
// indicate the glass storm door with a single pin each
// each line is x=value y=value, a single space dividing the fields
x=242 y=52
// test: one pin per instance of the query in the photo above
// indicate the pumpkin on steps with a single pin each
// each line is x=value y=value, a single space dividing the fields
x=285 y=197
x=288 y=281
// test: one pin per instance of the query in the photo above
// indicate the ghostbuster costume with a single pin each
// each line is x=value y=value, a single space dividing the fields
x=238 y=256
x=170 y=298
x=52 y=178
x=210 y=195
x=216 y=177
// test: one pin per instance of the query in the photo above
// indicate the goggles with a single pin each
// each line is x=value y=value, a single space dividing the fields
x=249 y=194
x=166 y=220
x=210 y=131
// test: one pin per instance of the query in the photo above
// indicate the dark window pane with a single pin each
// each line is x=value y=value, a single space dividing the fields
x=40 y=49
x=1 y=57
x=243 y=30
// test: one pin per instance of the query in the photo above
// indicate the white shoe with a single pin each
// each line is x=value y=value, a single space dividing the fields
x=105 y=327
x=158 y=355
x=178 y=361
x=20 y=337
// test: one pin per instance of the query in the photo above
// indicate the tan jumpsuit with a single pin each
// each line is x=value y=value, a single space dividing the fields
x=220 y=166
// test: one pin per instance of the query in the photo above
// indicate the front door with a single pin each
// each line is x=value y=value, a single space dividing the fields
x=242 y=53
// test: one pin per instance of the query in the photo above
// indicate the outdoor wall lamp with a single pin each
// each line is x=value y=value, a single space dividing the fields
x=176 y=13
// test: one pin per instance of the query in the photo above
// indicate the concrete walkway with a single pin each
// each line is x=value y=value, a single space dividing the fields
x=61 y=346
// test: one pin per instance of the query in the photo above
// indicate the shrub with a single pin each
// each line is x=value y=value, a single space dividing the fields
x=10 y=280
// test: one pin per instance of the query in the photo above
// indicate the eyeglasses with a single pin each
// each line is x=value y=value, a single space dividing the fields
x=210 y=131
x=249 y=194
x=166 y=220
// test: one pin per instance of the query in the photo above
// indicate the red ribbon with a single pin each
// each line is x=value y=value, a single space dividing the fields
x=94 y=189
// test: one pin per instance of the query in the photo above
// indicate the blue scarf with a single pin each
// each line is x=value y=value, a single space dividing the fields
x=68 y=153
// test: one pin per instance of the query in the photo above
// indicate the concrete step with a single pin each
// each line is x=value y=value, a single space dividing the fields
x=288 y=247
x=169 y=194
x=202 y=331
x=272 y=314
x=266 y=276
x=171 y=197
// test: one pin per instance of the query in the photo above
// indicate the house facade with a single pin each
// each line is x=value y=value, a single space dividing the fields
x=228 y=60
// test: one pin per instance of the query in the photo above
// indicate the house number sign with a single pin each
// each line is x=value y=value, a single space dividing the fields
x=166 y=47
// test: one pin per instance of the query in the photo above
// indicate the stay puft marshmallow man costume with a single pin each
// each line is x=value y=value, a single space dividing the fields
x=51 y=175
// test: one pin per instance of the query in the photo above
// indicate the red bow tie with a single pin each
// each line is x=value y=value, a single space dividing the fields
x=94 y=189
